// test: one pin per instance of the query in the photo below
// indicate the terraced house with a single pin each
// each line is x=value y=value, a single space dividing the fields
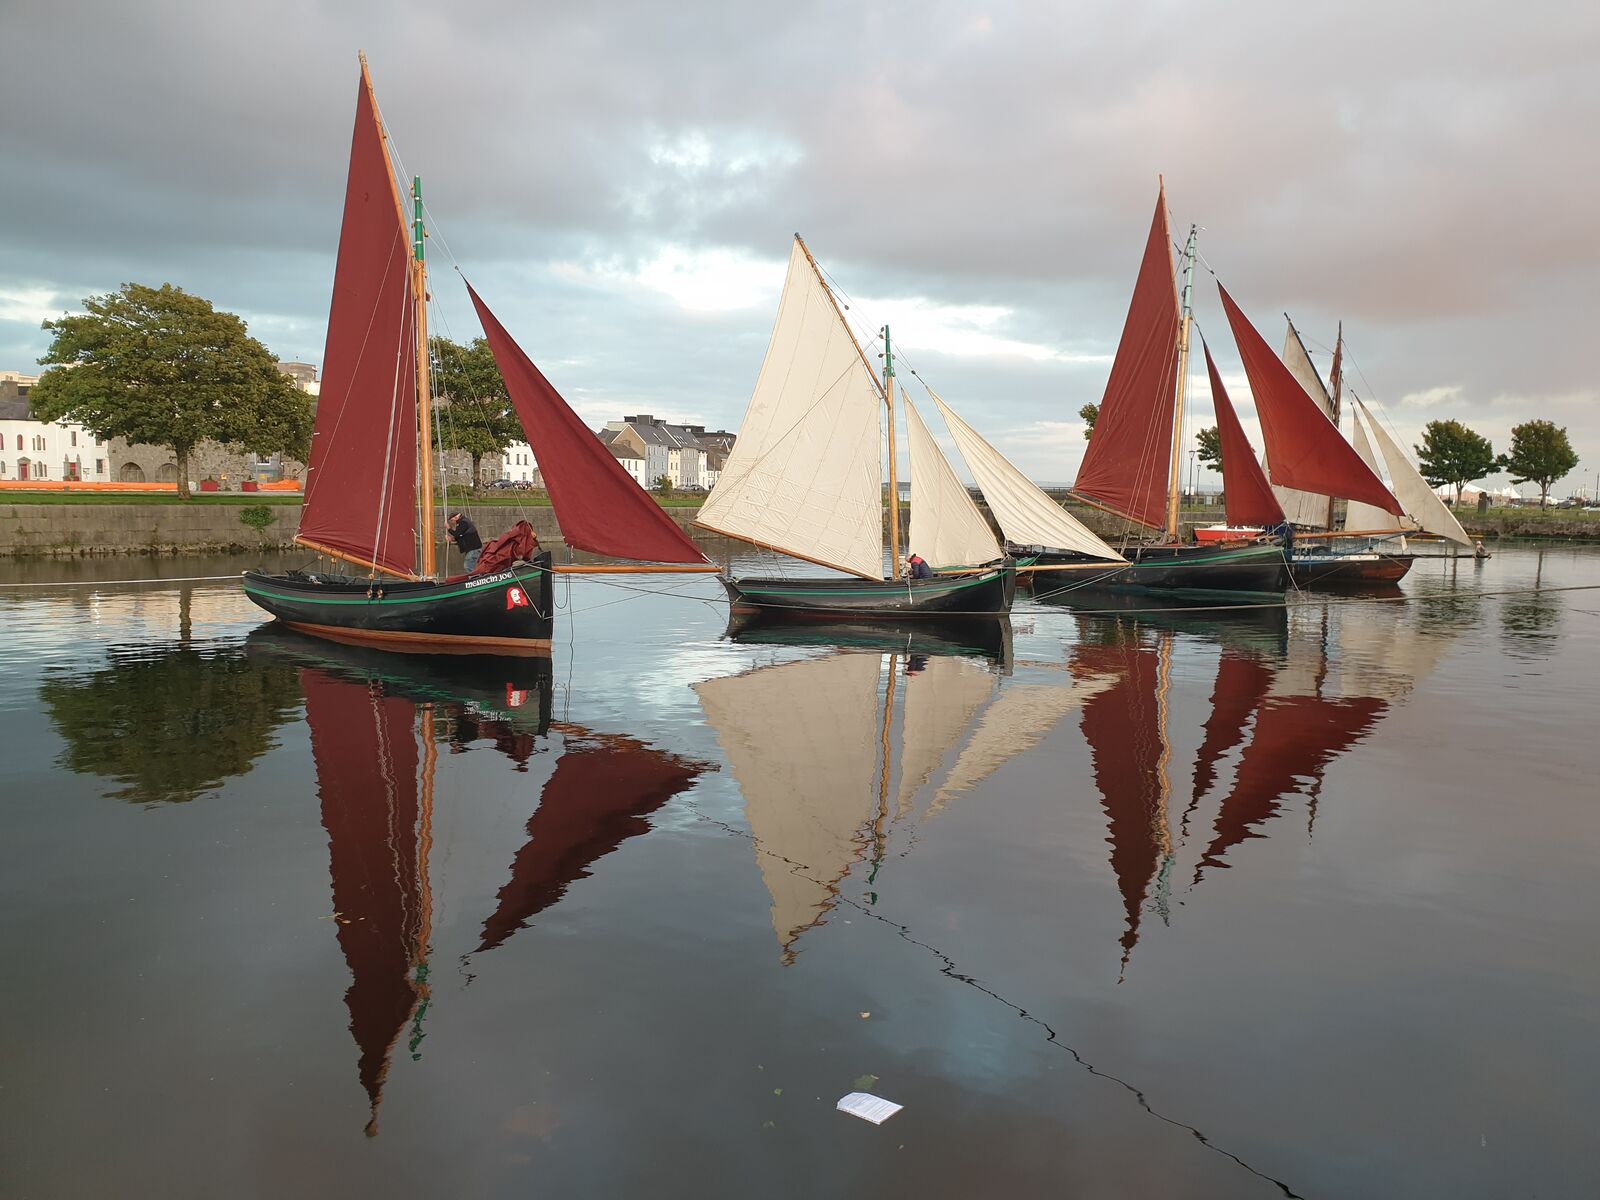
x=33 y=450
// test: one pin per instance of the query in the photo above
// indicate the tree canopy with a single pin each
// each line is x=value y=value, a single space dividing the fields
x=1451 y=453
x=159 y=365
x=1209 y=444
x=480 y=419
x=1540 y=453
x=1088 y=414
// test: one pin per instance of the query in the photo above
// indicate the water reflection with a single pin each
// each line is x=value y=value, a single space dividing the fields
x=377 y=722
x=812 y=746
x=169 y=725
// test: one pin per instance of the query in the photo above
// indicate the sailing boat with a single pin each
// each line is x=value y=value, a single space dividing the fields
x=1300 y=425
x=369 y=480
x=805 y=478
x=1131 y=468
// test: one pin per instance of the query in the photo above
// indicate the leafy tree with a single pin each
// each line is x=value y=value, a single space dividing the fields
x=1209 y=442
x=664 y=485
x=171 y=727
x=158 y=365
x=1540 y=453
x=1088 y=414
x=1451 y=453
x=480 y=419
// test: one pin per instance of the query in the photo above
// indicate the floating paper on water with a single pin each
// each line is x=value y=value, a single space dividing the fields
x=868 y=1107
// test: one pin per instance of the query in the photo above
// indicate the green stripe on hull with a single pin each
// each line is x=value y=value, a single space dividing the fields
x=302 y=597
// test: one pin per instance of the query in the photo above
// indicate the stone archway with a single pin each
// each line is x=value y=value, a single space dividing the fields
x=131 y=472
x=167 y=473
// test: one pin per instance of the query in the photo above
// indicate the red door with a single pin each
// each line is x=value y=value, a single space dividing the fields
x=22 y=468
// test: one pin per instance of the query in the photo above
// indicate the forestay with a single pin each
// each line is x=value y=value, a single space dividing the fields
x=1413 y=492
x=1027 y=516
x=946 y=527
x=806 y=475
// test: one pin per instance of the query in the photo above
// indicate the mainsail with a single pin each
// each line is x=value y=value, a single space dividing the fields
x=1305 y=508
x=940 y=701
x=599 y=508
x=1304 y=448
x=805 y=476
x=1026 y=514
x=1412 y=490
x=946 y=527
x=361 y=479
x=1244 y=484
x=1126 y=465
x=1360 y=516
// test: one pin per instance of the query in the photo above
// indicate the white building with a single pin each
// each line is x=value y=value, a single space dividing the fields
x=518 y=465
x=631 y=461
x=41 y=450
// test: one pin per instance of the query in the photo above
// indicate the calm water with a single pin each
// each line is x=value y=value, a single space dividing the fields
x=1183 y=904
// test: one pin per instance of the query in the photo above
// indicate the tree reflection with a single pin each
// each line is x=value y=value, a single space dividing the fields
x=172 y=725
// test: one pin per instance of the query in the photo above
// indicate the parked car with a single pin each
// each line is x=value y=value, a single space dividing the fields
x=693 y=487
x=496 y=484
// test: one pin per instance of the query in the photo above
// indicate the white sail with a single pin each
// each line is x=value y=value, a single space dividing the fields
x=1419 y=500
x=946 y=527
x=941 y=700
x=1026 y=514
x=1015 y=722
x=1367 y=518
x=806 y=475
x=801 y=740
x=1303 y=508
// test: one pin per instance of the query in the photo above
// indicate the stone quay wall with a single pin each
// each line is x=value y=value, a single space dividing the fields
x=28 y=530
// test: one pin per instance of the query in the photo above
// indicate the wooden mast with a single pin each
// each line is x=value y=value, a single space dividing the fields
x=1333 y=400
x=894 y=478
x=419 y=297
x=1175 y=473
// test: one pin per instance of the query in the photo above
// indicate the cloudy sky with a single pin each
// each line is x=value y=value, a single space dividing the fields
x=621 y=181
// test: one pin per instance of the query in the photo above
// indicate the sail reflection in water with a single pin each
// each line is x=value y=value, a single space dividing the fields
x=377 y=722
x=812 y=746
x=1290 y=703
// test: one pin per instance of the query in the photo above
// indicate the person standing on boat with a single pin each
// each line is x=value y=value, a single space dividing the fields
x=919 y=567
x=464 y=534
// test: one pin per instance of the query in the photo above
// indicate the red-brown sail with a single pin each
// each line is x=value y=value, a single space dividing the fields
x=1303 y=446
x=1122 y=725
x=600 y=795
x=1295 y=739
x=1245 y=489
x=599 y=508
x=1127 y=462
x=361 y=479
x=365 y=749
x=1242 y=683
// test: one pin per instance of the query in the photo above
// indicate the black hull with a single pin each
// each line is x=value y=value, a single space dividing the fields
x=971 y=637
x=507 y=612
x=1168 y=568
x=986 y=594
x=515 y=689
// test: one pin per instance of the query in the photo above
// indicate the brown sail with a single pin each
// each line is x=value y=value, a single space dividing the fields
x=361 y=480
x=1129 y=457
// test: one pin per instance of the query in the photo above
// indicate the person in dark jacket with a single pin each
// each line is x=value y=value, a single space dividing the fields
x=461 y=531
x=919 y=567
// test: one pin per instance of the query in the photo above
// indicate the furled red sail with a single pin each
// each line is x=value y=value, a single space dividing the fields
x=1128 y=459
x=1245 y=488
x=599 y=507
x=361 y=489
x=366 y=756
x=1303 y=447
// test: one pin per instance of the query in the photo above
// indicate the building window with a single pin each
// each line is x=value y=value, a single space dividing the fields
x=74 y=437
x=2 y=468
x=44 y=471
x=99 y=466
x=38 y=441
